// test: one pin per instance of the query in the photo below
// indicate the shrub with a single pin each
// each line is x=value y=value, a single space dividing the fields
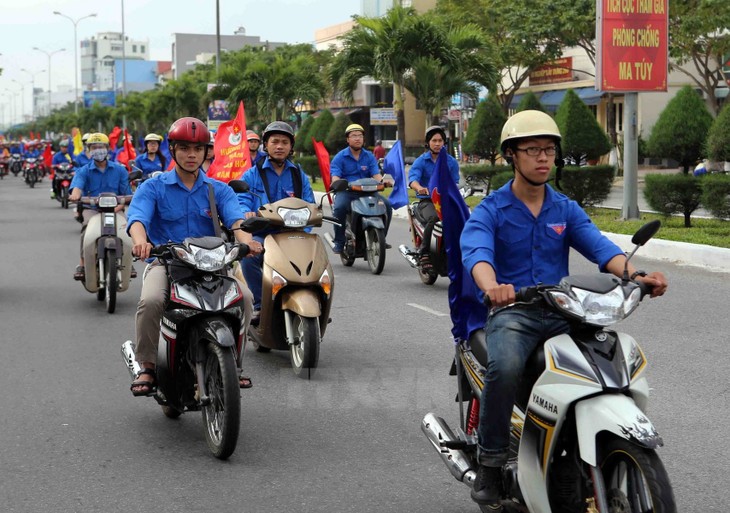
x=583 y=137
x=303 y=135
x=716 y=195
x=500 y=179
x=319 y=131
x=589 y=185
x=336 y=139
x=310 y=166
x=482 y=138
x=673 y=194
x=530 y=102
x=681 y=130
x=475 y=173
x=718 y=137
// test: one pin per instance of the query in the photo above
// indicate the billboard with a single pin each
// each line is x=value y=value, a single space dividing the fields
x=383 y=117
x=633 y=45
x=103 y=98
x=553 y=72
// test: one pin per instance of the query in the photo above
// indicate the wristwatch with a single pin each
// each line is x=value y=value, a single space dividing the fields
x=637 y=273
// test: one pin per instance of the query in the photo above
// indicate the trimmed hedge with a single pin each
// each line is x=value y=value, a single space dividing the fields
x=310 y=166
x=673 y=194
x=588 y=185
x=716 y=195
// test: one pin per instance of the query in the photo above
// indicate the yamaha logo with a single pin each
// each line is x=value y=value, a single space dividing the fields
x=601 y=336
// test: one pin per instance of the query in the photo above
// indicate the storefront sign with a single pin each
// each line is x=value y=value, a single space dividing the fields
x=632 y=51
x=384 y=116
x=560 y=70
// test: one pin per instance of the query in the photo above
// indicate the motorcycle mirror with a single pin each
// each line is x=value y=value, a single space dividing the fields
x=646 y=232
x=239 y=186
x=134 y=175
x=254 y=224
x=339 y=185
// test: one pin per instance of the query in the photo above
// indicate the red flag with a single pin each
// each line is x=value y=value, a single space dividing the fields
x=232 y=156
x=323 y=159
x=48 y=158
x=114 y=137
x=127 y=154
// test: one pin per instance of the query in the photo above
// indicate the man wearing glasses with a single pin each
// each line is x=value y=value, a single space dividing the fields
x=521 y=236
x=353 y=163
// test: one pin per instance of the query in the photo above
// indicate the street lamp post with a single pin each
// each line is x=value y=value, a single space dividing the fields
x=22 y=99
x=49 y=54
x=32 y=90
x=76 y=53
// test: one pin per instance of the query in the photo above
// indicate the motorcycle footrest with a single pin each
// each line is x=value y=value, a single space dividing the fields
x=458 y=445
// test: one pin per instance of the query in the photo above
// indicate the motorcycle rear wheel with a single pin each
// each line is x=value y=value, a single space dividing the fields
x=347 y=256
x=635 y=477
x=305 y=353
x=375 y=249
x=110 y=294
x=427 y=277
x=64 y=197
x=32 y=180
x=222 y=417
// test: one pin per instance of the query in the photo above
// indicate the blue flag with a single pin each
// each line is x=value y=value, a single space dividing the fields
x=70 y=145
x=165 y=150
x=467 y=311
x=393 y=165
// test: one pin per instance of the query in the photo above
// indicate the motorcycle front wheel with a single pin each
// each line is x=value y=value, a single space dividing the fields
x=32 y=180
x=222 y=416
x=635 y=479
x=110 y=294
x=305 y=352
x=375 y=249
x=64 y=197
x=427 y=277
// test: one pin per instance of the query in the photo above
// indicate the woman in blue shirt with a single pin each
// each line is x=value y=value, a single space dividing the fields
x=152 y=159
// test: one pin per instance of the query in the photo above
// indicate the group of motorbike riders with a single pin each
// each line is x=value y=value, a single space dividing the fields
x=518 y=236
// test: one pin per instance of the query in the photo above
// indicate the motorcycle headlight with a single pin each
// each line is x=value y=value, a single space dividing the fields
x=603 y=309
x=232 y=254
x=107 y=201
x=567 y=303
x=294 y=217
x=207 y=259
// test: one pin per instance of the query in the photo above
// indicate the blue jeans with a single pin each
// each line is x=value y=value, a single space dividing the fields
x=253 y=272
x=512 y=334
x=341 y=208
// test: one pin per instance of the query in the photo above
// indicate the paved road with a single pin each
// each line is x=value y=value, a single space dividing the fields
x=73 y=439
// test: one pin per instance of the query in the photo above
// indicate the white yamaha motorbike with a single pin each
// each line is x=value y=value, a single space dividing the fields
x=580 y=438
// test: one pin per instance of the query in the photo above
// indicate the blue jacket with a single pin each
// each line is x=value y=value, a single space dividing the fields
x=170 y=212
x=148 y=166
x=424 y=167
x=60 y=158
x=92 y=181
x=525 y=250
x=81 y=159
x=345 y=166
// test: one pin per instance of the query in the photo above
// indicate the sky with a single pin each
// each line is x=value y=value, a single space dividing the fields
x=28 y=23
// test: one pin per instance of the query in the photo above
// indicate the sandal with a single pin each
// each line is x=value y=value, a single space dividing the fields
x=79 y=273
x=244 y=382
x=147 y=387
x=425 y=263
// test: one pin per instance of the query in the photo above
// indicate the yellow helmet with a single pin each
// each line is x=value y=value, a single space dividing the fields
x=353 y=128
x=153 y=137
x=97 y=138
x=529 y=123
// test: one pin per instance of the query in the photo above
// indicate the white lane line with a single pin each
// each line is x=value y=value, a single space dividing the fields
x=427 y=309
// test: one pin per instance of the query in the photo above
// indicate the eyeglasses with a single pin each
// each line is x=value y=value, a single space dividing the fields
x=534 y=151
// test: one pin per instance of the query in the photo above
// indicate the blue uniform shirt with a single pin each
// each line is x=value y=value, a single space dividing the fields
x=525 y=250
x=148 y=166
x=60 y=158
x=170 y=212
x=280 y=187
x=423 y=168
x=81 y=159
x=92 y=181
x=345 y=166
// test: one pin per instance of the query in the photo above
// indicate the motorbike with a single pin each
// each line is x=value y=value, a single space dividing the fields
x=61 y=182
x=365 y=225
x=32 y=171
x=201 y=338
x=298 y=281
x=580 y=438
x=436 y=255
x=16 y=164
x=107 y=248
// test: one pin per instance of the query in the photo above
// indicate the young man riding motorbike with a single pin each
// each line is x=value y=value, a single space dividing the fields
x=520 y=236
x=61 y=157
x=98 y=176
x=271 y=179
x=170 y=208
x=418 y=178
x=353 y=163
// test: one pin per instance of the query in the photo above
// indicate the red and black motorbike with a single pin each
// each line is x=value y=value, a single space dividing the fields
x=32 y=171
x=63 y=174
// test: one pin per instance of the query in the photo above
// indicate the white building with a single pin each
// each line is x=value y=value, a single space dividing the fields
x=99 y=53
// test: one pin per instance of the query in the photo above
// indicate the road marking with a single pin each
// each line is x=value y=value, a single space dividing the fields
x=427 y=309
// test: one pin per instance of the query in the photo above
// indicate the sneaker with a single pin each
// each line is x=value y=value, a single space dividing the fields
x=53 y=195
x=388 y=246
x=133 y=273
x=79 y=273
x=337 y=248
x=487 y=490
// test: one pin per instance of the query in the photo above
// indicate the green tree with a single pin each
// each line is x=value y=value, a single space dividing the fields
x=530 y=102
x=482 y=138
x=681 y=130
x=336 y=139
x=582 y=136
x=699 y=41
x=718 y=138
x=303 y=134
x=320 y=129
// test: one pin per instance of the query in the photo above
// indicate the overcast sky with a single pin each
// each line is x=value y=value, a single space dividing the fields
x=28 y=23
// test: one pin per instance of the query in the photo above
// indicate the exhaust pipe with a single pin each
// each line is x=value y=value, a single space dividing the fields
x=408 y=255
x=438 y=432
x=128 y=353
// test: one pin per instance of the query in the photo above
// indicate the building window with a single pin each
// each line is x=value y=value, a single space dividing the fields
x=134 y=48
x=141 y=49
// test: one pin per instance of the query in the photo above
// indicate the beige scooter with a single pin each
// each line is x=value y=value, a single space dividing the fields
x=298 y=281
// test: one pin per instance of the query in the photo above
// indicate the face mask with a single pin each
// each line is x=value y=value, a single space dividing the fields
x=99 y=154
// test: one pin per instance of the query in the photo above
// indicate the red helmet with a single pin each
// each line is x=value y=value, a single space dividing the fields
x=190 y=130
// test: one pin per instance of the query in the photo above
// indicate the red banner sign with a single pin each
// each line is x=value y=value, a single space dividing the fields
x=560 y=70
x=634 y=39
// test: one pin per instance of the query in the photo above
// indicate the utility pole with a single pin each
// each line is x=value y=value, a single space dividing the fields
x=49 y=54
x=76 y=53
